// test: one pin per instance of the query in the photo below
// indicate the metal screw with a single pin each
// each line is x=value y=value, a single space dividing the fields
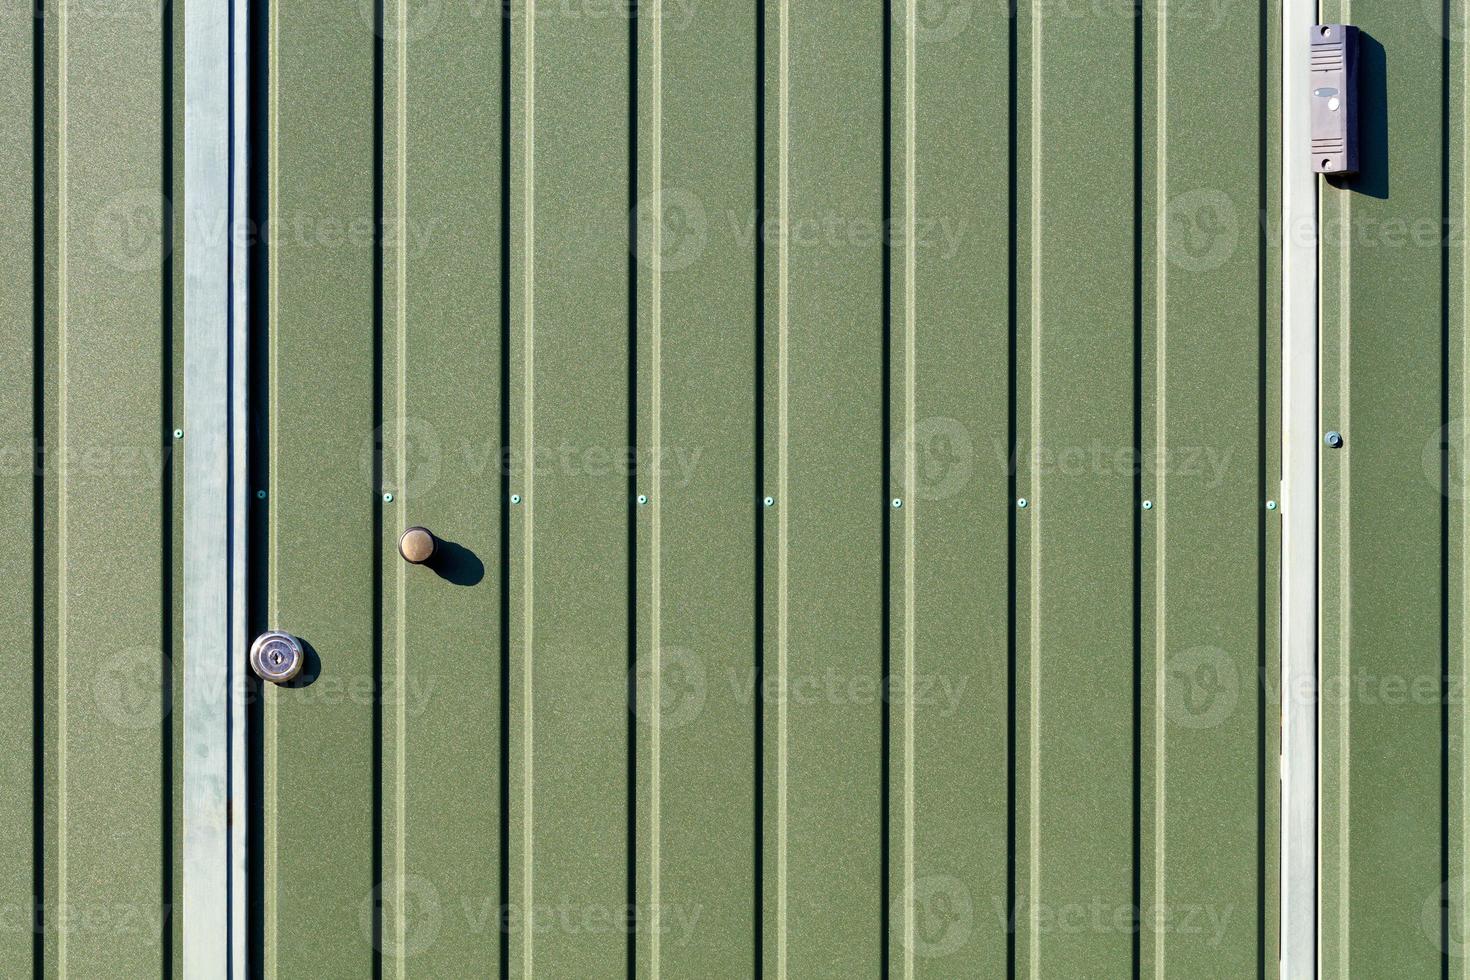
x=1023 y=503
x=770 y=501
x=387 y=498
x=1333 y=440
x=1270 y=505
x=260 y=495
x=897 y=502
x=1148 y=505
x=515 y=498
x=642 y=499
x=178 y=433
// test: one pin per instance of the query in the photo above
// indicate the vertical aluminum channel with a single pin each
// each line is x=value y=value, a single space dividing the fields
x=212 y=940
x=239 y=112
x=1299 y=410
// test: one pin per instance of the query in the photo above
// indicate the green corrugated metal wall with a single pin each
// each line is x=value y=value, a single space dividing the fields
x=837 y=256
x=1076 y=272
x=90 y=477
x=1393 y=740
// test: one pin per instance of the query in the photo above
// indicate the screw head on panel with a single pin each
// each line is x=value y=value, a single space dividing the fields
x=770 y=501
x=387 y=498
x=897 y=503
x=1148 y=505
x=1270 y=505
x=178 y=433
x=1333 y=439
x=515 y=498
x=1023 y=503
x=260 y=495
x=642 y=499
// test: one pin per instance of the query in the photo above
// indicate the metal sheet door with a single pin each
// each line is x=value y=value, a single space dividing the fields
x=1393 y=381
x=853 y=435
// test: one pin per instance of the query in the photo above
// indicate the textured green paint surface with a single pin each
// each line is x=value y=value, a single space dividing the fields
x=572 y=671
x=1392 y=529
x=1079 y=670
x=18 y=624
x=825 y=327
x=698 y=323
x=951 y=730
x=1210 y=322
x=441 y=384
x=319 y=737
x=107 y=523
x=111 y=492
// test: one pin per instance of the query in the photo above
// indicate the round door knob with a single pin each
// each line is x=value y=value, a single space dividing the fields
x=277 y=657
x=417 y=545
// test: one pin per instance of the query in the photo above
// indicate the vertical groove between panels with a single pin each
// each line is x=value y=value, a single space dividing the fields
x=1012 y=297
x=655 y=551
x=38 y=494
x=400 y=676
x=759 y=454
x=1344 y=568
x=909 y=481
x=1464 y=277
x=529 y=436
x=1447 y=902
x=1264 y=442
x=270 y=858
x=1034 y=705
x=1345 y=202
x=783 y=326
x=1161 y=508
x=61 y=495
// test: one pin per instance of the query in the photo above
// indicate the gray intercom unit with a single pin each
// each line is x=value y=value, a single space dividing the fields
x=1334 y=66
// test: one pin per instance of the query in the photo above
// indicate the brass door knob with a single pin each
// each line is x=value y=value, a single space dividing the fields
x=277 y=657
x=417 y=545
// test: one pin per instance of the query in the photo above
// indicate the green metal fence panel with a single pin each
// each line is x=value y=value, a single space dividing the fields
x=440 y=436
x=321 y=741
x=90 y=482
x=1209 y=602
x=855 y=432
x=698 y=669
x=950 y=439
x=1393 y=517
x=18 y=432
x=827 y=454
x=1076 y=665
x=572 y=654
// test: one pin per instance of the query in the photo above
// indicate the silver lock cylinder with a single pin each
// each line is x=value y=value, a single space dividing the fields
x=277 y=657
